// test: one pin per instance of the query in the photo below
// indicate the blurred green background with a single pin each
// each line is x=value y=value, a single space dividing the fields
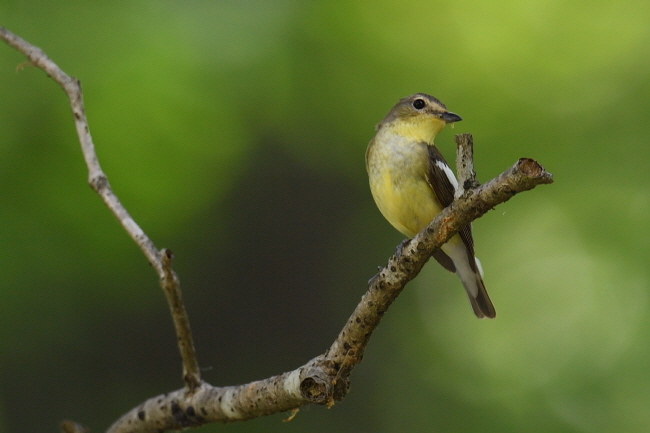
x=235 y=132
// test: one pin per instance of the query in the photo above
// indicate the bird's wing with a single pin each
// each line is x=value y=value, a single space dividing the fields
x=444 y=184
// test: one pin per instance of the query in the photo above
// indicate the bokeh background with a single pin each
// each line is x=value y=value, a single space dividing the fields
x=235 y=132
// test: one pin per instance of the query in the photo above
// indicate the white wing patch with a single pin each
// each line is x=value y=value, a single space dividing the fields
x=450 y=174
x=479 y=267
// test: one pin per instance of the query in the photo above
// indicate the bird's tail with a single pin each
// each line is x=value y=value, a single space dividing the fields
x=456 y=258
x=481 y=303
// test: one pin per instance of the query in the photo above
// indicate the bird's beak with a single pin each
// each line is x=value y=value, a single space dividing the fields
x=450 y=117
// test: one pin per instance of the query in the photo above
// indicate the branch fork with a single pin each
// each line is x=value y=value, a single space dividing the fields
x=323 y=380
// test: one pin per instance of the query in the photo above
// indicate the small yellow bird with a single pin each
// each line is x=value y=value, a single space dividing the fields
x=411 y=184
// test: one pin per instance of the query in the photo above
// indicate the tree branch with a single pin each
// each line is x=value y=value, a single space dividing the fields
x=160 y=260
x=324 y=379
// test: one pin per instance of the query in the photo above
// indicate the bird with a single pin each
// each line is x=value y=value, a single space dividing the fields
x=411 y=183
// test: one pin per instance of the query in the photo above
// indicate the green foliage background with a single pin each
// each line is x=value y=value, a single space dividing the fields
x=235 y=131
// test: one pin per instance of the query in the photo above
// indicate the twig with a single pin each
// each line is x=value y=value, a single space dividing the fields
x=324 y=379
x=172 y=287
x=99 y=183
x=465 y=163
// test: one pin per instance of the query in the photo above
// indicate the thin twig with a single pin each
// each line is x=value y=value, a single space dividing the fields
x=172 y=287
x=99 y=183
x=465 y=163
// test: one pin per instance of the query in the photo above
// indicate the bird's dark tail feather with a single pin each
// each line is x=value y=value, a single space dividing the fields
x=481 y=303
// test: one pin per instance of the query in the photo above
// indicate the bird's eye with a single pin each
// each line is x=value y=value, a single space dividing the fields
x=419 y=104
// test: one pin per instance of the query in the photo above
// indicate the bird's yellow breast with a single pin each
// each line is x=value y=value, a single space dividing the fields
x=397 y=170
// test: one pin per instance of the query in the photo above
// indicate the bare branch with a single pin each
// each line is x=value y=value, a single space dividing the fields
x=324 y=379
x=172 y=287
x=99 y=183
x=96 y=177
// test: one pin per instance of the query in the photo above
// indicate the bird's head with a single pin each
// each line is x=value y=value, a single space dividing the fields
x=419 y=116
